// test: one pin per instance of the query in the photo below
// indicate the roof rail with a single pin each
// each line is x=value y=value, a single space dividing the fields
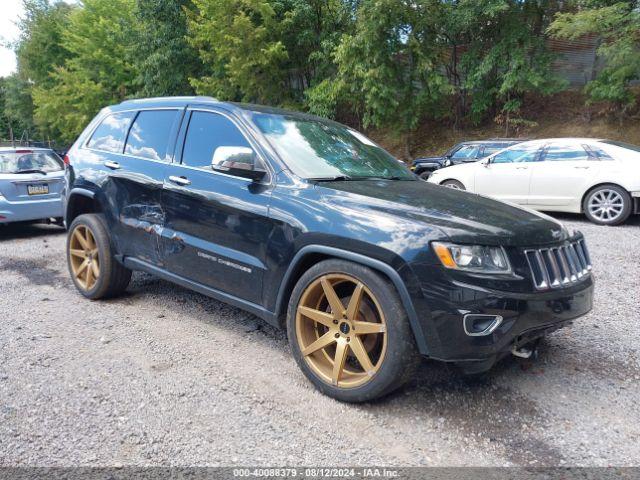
x=191 y=98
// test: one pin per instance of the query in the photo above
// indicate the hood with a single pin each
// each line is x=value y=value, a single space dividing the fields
x=462 y=216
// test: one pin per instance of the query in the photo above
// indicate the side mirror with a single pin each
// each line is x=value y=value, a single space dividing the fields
x=238 y=161
x=486 y=161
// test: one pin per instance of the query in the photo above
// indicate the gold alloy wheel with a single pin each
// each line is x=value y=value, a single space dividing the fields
x=341 y=330
x=83 y=254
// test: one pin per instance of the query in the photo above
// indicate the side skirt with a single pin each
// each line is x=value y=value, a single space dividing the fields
x=257 y=310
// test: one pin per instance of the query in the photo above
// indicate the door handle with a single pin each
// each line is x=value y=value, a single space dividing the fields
x=521 y=168
x=180 y=180
x=582 y=168
x=112 y=165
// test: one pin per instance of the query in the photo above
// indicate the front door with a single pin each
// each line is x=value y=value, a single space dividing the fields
x=507 y=176
x=216 y=227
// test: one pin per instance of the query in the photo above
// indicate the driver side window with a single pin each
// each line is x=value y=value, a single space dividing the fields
x=206 y=132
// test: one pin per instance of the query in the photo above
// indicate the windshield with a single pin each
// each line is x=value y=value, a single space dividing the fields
x=18 y=161
x=318 y=150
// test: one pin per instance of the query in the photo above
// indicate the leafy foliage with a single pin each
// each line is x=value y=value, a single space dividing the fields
x=618 y=27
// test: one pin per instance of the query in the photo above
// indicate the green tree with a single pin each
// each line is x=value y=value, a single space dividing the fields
x=18 y=107
x=389 y=70
x=617 y=24
x=238 y=41
x=166 y=61
x=101 y=70
x=39 y=49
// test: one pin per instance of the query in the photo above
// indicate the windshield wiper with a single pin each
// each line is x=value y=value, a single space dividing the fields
x=31 y=170
x=337 y=178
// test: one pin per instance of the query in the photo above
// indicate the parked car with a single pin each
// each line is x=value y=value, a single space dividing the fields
x=464 y=152
x=600 y=178
x=311 y=226
x=31 y=185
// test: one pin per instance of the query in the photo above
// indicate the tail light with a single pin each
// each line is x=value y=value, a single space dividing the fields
x=66 y=161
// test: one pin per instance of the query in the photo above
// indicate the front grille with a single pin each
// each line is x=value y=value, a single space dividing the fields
x=557 y=267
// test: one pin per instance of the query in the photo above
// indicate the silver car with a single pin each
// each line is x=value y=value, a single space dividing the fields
x=31 y=185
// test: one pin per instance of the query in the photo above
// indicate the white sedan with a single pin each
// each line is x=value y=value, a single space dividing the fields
x=600 y=178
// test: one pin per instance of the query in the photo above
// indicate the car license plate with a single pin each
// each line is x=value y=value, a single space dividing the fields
x=37 y=189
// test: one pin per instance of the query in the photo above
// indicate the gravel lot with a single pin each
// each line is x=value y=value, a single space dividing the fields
x=167 y=376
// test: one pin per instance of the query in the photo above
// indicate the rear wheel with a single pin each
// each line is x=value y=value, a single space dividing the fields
x=94 y=271
x=349 y=332
x=453 y=184
x=607 y=205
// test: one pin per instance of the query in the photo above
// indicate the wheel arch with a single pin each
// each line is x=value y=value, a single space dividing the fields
x=312 y=254
x=80 y=201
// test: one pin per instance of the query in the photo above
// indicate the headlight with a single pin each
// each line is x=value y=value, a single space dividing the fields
x=473 y=258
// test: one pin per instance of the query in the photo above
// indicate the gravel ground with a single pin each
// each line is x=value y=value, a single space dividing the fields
x=167 y=376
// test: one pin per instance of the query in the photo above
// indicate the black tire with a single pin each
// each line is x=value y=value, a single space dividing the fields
x=425 y=175
x=623 y=205
x=113 y=278
x=455 y=184
x=401 y=358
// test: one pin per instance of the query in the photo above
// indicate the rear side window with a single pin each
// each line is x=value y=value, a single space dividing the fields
x=208 y=131
x=150 y=134
x=560 y=153
x=110 y=135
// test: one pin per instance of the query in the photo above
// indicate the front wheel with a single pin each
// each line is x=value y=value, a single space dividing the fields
x=349 y=332
x=607 y=205
x=94 y=271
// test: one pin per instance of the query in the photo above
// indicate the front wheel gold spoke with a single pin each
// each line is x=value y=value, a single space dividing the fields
x=354 y=304
x=95 y=270
x=337 y=308
x=322 y=342
x=364 y=328
x=317 y=316
x=77 y=253
x=82 y=267
x=81 y=239
x=338 y=361
x=361 y=354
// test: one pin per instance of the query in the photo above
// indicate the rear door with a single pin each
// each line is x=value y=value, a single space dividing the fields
x=217 y=226
x=562 y=175
x=508 y=174
x=133 y=150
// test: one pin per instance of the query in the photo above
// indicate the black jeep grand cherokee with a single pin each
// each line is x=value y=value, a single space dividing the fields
x=311 y=226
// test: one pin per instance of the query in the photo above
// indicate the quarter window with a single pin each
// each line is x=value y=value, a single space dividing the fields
x=206 y=132
x=150 y=134
x=560 y=153
x=110 y=135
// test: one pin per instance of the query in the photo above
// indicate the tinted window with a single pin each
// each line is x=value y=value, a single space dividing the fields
x=150 y=134
x=110 y=135
x=518 y=154
x=565 y=152
x=466 y=152
x=208 y=131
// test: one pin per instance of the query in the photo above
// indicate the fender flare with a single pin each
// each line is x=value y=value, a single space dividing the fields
x=382 y=267
x=77 y=191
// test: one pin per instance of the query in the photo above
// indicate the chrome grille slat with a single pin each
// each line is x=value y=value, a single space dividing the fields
x=556 y=267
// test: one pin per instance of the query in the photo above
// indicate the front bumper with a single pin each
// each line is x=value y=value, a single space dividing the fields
x=31 y=209
x=526 y=316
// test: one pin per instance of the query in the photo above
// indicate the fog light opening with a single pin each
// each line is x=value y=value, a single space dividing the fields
x=477 y=325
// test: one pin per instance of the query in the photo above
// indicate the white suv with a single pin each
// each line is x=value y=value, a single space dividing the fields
x=600 y=178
